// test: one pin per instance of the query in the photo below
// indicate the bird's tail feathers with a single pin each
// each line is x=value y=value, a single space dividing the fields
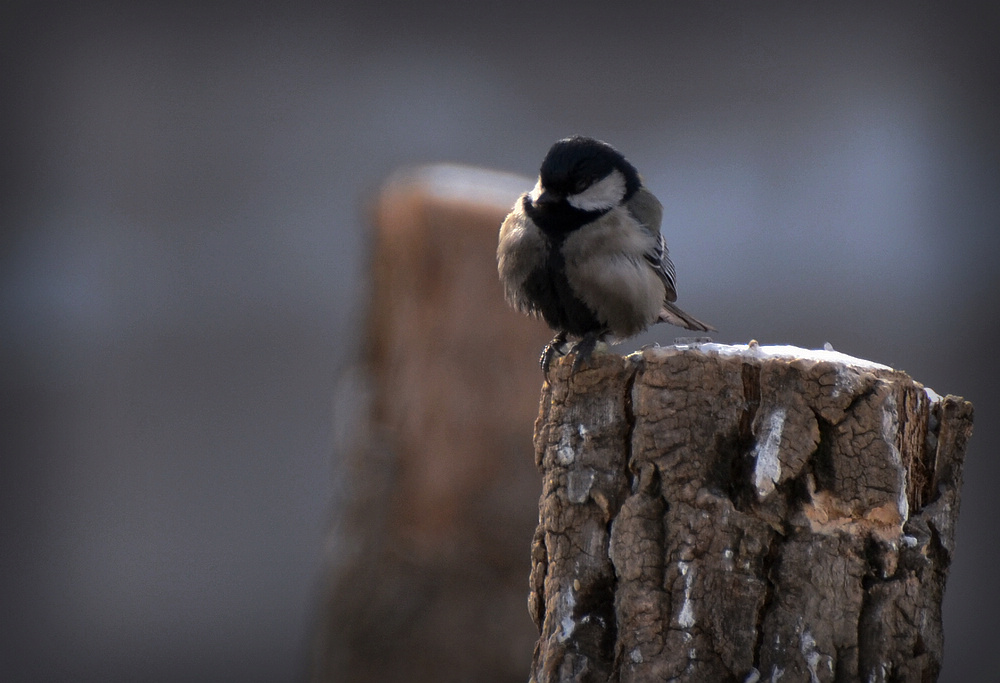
x=675 y=316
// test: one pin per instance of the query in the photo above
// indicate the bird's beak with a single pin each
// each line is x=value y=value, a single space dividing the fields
x=547 y=199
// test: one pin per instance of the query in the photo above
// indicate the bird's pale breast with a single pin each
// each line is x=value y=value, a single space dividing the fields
x=606 y=267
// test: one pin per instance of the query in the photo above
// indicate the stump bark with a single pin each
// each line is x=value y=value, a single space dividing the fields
x=743 y=513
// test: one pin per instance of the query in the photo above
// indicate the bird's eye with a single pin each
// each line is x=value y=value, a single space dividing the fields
x=580 y=185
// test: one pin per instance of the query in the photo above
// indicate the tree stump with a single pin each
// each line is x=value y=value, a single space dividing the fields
x=743 y=513
x=426 y=576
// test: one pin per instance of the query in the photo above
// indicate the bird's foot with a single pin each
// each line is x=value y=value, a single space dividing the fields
x=583 y=349
x=551 y=349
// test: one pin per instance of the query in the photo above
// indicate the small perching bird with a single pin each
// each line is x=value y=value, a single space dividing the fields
x=583 y=250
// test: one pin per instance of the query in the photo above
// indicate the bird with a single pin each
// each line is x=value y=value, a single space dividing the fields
x=583 y=250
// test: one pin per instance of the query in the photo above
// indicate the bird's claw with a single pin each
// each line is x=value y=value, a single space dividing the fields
x=582 y=351
x=551 y=349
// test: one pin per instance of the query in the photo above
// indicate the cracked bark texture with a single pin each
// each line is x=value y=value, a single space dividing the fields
x=722 y=513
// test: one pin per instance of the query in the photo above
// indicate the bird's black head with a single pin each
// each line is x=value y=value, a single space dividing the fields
x=580 y=179
x=574 y=164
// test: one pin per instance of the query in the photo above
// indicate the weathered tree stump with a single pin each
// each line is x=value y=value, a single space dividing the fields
x=743 y=513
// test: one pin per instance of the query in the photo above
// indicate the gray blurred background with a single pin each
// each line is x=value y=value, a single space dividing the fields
x=183 y=265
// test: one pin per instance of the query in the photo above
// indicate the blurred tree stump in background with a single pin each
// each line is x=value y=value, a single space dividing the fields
x=722 y=513
x=428 y=572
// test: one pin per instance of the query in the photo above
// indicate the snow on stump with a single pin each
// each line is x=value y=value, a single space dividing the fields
x=743 y=513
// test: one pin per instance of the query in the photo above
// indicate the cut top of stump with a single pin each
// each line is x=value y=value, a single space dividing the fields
x=784 y=351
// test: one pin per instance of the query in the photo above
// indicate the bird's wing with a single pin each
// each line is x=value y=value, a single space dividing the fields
x=646 y=209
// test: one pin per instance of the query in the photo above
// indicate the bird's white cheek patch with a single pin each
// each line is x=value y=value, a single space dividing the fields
x=604 y=194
